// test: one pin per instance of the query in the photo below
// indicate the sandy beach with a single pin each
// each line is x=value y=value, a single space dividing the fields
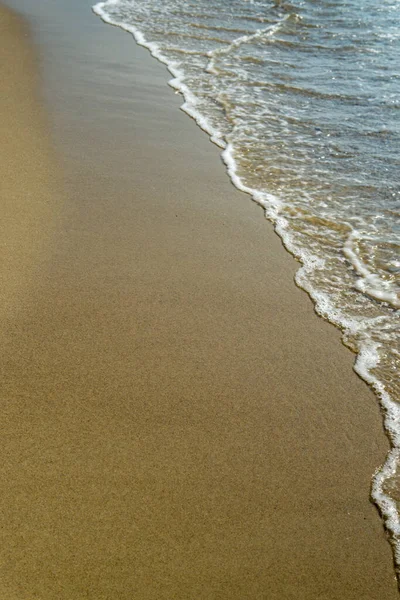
x=177 y=423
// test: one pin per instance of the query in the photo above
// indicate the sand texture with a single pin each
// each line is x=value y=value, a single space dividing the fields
x=176 y=422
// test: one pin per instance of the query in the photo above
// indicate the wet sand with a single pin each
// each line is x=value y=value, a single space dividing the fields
x=176 y=420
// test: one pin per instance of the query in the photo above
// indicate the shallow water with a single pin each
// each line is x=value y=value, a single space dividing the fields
x=304 y=99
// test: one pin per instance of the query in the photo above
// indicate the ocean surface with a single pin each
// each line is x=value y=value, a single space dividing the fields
x=303 y=98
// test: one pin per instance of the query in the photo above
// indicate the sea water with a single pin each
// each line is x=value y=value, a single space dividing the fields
x=303 y=97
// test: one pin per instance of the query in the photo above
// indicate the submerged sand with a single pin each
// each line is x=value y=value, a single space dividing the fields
x=176 y=421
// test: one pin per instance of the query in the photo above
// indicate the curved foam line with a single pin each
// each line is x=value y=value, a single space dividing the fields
x=244 y=39
x=369 y=283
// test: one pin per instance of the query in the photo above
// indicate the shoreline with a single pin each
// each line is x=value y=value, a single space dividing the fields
x=180 y=424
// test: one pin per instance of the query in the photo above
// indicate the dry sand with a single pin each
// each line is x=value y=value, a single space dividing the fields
x=176 y=421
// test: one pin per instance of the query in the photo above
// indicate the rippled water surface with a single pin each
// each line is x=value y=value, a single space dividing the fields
x=304 y=98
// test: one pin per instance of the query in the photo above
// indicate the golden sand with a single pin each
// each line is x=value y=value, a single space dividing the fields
x=176 y=421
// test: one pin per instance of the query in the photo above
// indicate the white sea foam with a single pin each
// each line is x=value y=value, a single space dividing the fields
x=370 y=283
x=240 y=41
x=359 y=331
